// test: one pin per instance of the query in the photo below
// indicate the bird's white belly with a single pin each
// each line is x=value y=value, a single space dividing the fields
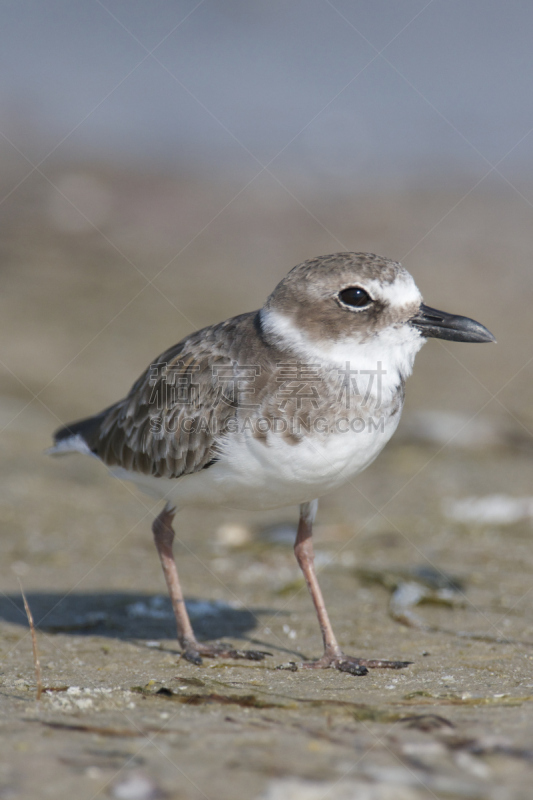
x=252 y=474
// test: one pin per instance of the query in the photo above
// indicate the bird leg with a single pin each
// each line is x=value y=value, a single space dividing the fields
x=333 y=655
x=193 y=650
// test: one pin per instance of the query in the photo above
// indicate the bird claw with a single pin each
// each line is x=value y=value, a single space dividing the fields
x=193 y=656
x=352 y=665
x=251 y=655
x=195 y=652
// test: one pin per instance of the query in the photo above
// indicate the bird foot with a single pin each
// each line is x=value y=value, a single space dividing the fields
x=352 y=665
x=193 y=652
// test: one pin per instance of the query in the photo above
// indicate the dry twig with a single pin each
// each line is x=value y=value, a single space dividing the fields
x=36 y=660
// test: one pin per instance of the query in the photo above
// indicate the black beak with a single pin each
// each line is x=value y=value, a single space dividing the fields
x=441 y=325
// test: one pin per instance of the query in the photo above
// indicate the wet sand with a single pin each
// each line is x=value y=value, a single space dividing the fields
x=122 y=713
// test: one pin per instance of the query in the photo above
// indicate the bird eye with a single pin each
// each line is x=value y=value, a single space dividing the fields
x=355 y=297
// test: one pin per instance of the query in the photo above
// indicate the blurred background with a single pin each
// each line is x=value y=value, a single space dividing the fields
x=163 y=165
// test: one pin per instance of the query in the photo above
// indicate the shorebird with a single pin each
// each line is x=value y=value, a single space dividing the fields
x=273 y=408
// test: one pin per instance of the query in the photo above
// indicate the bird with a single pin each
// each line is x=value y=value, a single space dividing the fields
x=272 y=408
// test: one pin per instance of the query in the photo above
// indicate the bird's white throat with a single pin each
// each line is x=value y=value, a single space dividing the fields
x=389 y=353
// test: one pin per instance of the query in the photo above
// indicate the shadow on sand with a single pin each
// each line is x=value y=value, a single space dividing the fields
x=126 y=615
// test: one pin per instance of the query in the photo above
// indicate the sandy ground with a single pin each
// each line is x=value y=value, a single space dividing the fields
x=83 y=310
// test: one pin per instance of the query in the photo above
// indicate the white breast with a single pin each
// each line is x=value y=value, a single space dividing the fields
x=254 y=474
x=275 y=474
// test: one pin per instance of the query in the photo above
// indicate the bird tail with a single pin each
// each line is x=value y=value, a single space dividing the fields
x=78 y=437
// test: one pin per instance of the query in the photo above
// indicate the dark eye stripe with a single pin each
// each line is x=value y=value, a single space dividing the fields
x=355 y=297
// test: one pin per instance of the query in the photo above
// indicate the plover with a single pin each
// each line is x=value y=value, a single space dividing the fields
x=272 y=408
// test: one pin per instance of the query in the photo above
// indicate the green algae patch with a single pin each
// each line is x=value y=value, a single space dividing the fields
x=207 y=698
x=466 y=699
x=361 y=712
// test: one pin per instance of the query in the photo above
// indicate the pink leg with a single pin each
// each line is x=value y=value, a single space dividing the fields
x=164 y=538
x=193 y=650
x=304 y=552
x=333 y=655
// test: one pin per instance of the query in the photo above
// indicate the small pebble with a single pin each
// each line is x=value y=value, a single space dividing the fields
x=232 y=534
x=136 y=787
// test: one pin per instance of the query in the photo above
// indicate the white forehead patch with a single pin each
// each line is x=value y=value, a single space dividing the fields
x=403 y=291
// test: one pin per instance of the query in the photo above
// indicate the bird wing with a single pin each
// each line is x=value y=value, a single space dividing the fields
x=170 y=422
